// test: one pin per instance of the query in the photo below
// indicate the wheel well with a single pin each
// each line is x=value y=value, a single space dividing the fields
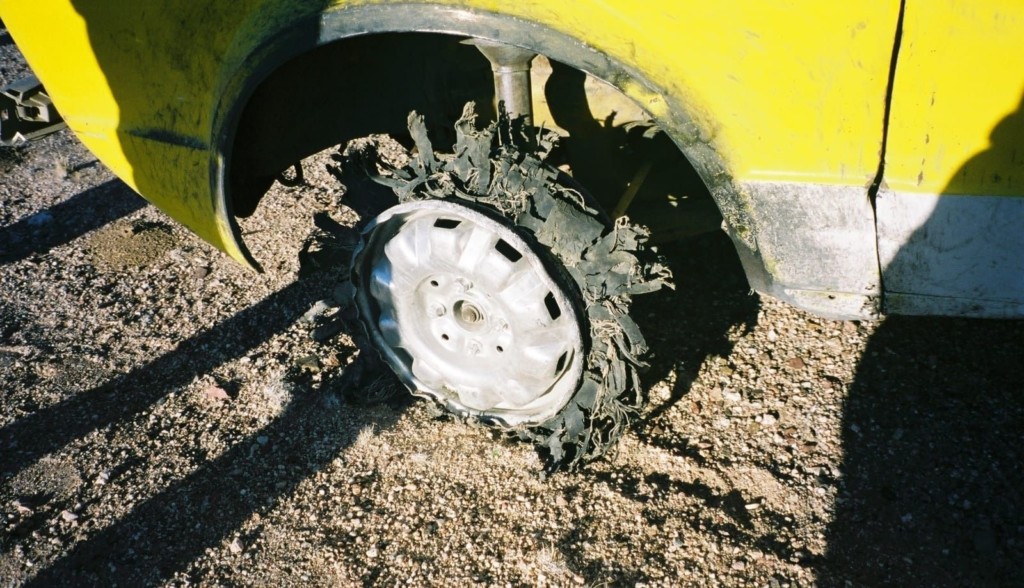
x=364 y=85
x=347 y=89
x=277 y=107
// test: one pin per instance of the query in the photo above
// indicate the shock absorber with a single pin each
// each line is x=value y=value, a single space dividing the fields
x=511 y=67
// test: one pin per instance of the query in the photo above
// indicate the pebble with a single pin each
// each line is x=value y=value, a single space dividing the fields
x=796 y=363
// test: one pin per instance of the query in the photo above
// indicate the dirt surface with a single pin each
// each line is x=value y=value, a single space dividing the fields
x=167 y=419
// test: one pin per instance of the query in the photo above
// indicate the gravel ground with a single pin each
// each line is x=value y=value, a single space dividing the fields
x=167 y=419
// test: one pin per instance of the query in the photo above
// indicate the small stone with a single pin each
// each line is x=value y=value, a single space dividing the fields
x=216 y=393
x=308 y=363
x=68 y=516
x=796 y=363
x=200 y=272
x=731 y=395
x=262 y=439
x=235 y=546
x=372 y=552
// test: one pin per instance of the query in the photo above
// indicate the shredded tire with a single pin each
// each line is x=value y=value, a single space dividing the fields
x=501 y=167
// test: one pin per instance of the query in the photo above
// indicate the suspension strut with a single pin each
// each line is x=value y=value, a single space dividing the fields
x=511 y=67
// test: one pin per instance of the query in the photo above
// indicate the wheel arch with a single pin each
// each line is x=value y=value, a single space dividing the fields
x=780 y=231
x=347 y=23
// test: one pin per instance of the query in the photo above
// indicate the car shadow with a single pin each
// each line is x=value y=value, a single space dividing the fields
x=68 y=220
x=931 y=485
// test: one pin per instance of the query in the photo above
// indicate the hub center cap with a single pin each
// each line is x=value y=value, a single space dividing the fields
x=468 y=315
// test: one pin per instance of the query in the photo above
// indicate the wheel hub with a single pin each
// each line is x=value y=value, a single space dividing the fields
x=466 y=313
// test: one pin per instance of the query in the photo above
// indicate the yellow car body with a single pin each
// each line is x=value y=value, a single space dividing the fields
x=829 y=134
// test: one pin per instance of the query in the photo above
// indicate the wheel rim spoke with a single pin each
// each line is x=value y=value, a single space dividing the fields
x=476 y=243
x=522 y=288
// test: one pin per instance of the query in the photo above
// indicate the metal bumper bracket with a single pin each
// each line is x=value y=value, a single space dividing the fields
x=26 y=112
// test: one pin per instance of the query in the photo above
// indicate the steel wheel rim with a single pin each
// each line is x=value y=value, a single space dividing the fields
x=466 y=313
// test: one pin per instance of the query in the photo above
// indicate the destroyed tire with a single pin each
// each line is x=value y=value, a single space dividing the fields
x=496 y=290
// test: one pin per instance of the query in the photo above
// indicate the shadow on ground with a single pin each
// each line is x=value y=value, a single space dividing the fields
x=68 y=220
x=932 y=479
x=164 y=534
x=122 y=398
x=687 y=325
